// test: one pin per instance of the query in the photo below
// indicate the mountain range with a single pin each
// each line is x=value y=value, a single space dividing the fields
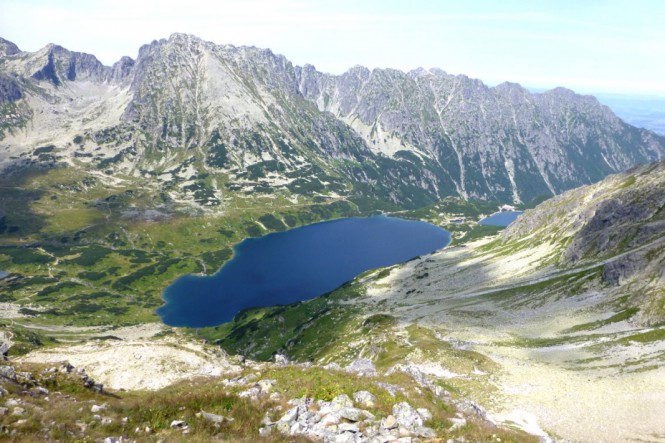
x=201 y=120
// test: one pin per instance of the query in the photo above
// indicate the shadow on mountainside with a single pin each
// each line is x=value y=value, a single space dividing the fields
x=17 y=218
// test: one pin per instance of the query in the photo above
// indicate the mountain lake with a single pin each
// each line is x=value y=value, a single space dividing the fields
x=503 y=218
x=295 y=265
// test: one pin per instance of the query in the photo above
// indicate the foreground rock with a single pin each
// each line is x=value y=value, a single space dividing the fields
x=340 y=421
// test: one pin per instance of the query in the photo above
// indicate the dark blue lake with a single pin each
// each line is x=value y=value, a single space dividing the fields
x=296 y=265
x=501 y=218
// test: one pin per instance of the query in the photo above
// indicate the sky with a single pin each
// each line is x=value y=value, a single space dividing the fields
x=590 y=46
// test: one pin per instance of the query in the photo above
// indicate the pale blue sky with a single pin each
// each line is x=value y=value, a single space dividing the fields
x=586 y=45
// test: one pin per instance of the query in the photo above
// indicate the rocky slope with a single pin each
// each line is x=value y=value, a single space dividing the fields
x=619 y=222
x=501 y=142
x=201 y=120
x=52 y=396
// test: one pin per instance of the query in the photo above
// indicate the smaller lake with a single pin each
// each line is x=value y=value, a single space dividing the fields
x=500 y=218
x=3 y=274
x=296 y=265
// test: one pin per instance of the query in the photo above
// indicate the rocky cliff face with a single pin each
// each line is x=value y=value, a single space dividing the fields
x=262 y=125
x=501 y=142
x=618 y=224
x=8 y=48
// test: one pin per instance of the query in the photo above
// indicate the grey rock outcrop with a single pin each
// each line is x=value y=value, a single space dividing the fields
x=215 y=418
x=365 y=399
x=57 y=65
x=407 y=416
x=340 y=421
x=8 y=48
x=362 y=366
x=10 y=89
x=617 y=224
x=8 y=373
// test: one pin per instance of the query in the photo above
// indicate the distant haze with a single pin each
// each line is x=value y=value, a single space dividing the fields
x=592 y=45
x=640 y=111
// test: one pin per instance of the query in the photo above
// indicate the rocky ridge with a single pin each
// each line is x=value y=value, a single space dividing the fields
x=520 y=144
x=249 y=118
x=619 y=222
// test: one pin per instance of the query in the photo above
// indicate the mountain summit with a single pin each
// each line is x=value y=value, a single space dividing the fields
x=259 y=123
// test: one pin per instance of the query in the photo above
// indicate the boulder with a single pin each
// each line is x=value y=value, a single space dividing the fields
x=418 y=376
x=180 y=424
x=424 y=432
x=97 y=408
x=281 y=359
x=457 y=423
x=424 y=413
x=392 y=389
x=8 y=373
x=340 y=402
x=290 y=416
x=265 y=431
x=214 y=418
x=362 y=367
x=329 y=419
x=38 y=390
x=470 y=408
x=346 y=437
x=348 y=427
x=390 y=422
x=354 y=414
x=407 y=416
x=334 y=366
x=252 y=392
x=365 y=398
x=66 y=367
x=266 y=385
x=235 y=381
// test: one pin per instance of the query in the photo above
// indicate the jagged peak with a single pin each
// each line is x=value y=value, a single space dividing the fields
x=8 y=48
x=559 y=90
x=512 y=89
x=358 y=71
x=183 y=36
x=308 y=67
x=52 y=48
x=510 y=86
x=427 y=72
x=562 y=94
x=419 y=72
x=388 y=71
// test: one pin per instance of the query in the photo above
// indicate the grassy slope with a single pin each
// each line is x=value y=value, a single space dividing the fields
x=84 y=252
x=59 y=416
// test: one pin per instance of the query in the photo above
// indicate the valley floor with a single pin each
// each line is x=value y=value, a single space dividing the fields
x=569 y=364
